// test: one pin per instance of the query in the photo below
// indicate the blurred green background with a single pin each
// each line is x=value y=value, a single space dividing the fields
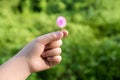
x=90 y=52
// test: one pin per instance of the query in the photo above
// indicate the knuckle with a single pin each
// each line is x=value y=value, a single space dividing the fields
x=60 y=42
x=58 y=60
x=56 y=44
x=59 y=50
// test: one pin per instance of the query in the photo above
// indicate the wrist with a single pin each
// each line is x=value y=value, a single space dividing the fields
x=14 y=69
x=22 y=62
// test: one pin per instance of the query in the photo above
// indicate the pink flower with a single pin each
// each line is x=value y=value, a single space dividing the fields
x=61 y=21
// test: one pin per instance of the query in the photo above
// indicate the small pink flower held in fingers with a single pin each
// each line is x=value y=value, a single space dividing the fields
x=61 y=22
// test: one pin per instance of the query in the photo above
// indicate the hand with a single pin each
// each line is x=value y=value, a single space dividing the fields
x=40 y=54
x=43 y=52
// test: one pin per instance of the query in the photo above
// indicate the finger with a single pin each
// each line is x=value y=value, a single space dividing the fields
x=54 y=60
x=50 y=37
x=52 y=52
x=65 y=33
x=54 y=44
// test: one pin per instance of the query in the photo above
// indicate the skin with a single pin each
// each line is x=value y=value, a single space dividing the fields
x=40 y=54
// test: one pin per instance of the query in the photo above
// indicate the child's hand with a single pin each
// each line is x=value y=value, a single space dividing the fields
x=40 y=54
x=43 y=52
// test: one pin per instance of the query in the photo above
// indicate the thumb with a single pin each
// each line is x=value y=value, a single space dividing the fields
x=48 y=38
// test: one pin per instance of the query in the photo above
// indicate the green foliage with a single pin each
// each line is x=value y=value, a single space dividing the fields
x=90 y=52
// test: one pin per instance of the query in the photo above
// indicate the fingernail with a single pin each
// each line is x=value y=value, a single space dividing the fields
x=58 y=33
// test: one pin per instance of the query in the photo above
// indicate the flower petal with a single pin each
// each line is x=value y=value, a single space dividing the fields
x=61 y=21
